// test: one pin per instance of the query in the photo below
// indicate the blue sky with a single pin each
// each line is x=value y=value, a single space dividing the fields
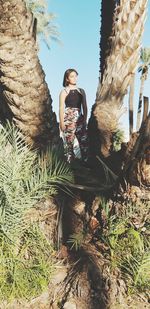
x=79 y=24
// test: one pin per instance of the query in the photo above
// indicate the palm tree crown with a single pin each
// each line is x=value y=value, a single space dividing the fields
x=145 y=59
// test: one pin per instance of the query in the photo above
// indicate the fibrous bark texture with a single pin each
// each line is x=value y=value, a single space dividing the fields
x=137 y=163
x=107 y=14
x=24 y=94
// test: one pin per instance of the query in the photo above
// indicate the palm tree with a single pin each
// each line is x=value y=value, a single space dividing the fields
x=107 y=13
x=46 y=29
x=25 y=98
x=121 y=64
x=131 y=104
x=117 y=68
x=137 y=165
x=143 y=68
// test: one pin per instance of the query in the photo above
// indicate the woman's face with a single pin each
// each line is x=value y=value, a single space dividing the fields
x=72 y=78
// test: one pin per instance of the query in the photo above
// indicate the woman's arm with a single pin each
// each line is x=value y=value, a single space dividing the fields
x=84 y=105
x=62 y=97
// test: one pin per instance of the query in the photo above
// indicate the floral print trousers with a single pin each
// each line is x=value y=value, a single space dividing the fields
x=75 y=127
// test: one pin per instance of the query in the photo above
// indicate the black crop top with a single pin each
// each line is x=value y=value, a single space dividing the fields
x=73 y=99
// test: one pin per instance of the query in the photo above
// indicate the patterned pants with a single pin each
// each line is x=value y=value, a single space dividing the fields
x=75 y=127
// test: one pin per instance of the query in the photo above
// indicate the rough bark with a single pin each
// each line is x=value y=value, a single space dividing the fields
x=107 y=15
x=137 y=160
x=120 y=65
x=24 y=94
x=145 y=108
x=131 y=104
x=143 y=78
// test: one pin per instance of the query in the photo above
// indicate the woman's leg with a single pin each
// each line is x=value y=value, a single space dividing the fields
x=70 y=119
x=81 y=134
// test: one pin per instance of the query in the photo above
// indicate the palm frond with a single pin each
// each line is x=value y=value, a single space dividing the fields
x=145 y=55
x=25 y=178
x=37 y=5
x=145 y=60
x=111 y=177
x=89 y=179
x=58 y=171
x=46 y=29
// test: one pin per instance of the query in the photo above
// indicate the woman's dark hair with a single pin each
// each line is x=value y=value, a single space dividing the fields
x=66 y=75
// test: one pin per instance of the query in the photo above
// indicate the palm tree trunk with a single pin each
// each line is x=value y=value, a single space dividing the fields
x=137 y=163
x=24 y=94
x=120 y=65
x=131 y=102
x=140 y=104
x=107 y=14
x=146 y=108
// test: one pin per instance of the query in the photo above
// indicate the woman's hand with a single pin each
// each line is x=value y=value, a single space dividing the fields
x=62 y=127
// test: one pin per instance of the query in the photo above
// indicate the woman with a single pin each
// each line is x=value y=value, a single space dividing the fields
x=72 y=101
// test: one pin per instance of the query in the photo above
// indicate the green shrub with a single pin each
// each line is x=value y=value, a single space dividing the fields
x=118 y=138
x=26 y=262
